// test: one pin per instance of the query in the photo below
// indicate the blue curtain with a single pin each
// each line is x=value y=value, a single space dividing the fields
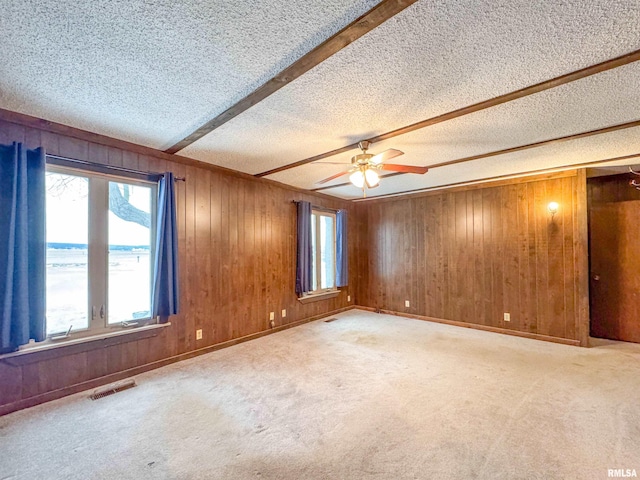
x=303 y=257
x=22 y=246
x=342 y=257
x=165 y=295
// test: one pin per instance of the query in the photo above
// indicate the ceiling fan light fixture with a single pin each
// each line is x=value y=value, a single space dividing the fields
x=371 y=177
x=357 y=178
x=364 y=172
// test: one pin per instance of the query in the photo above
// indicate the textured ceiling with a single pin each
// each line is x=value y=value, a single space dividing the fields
x=151 y=72
x=595 y=102
x=429 y=59
x=610 y=145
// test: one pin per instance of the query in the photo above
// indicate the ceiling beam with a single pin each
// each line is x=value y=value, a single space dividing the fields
x=592 y=164
x=566 y=138
x=59 y=130
x=476 y=107
x=362 y=25
x=344 y=184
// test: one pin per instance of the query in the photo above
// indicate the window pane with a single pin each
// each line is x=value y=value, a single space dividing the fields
x=129 y=269
x=67 y=259
x=314 y=274
x=327 y=252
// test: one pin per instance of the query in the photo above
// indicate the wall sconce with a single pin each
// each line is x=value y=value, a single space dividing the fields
x=553 y=208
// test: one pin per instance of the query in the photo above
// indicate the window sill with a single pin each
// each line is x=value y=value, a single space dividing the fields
x=49 y=349
x=316 y=297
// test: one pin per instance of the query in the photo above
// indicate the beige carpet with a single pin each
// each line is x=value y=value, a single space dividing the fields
x=366 y=396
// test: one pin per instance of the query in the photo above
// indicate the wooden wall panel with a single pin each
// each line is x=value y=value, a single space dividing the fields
x=470 y=255
x=615 y=264
x=359 y=258
x=612 y=236
x=237 y=257
x=466 y=255
x=612 y=188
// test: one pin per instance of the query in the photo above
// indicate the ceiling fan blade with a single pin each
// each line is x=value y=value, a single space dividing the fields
x=332 y=177
x=386 y=155
x=404 y=168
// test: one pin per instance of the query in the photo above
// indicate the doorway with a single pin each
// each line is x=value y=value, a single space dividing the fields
x=614 y=253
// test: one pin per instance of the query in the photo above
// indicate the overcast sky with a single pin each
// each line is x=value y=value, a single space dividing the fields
x=67 y=214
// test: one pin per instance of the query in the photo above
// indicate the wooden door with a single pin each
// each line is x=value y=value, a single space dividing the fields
x=614 y=232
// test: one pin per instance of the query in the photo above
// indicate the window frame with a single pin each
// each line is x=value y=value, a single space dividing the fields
x=98 y=254
x=317 y=260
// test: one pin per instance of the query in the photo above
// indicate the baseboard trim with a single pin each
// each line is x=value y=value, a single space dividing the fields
x=486 y=328
x=114 y=377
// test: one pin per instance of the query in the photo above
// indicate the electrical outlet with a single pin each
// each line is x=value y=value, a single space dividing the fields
x=199 y=334
x=507 y=317
x=272 y=316
x=407 y=304
x=348 y=298
x=284 y=313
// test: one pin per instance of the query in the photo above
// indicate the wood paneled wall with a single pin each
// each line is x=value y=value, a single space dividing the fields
x=237 y=257
x=465 y=255
x=612 y=188
x=470 y=255
x=612 y=255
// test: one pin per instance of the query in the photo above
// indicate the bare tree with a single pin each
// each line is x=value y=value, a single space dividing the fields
x=121 y=208
x=119 y=202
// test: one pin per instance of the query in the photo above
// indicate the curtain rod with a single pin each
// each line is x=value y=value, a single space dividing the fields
x=63 y=161
x=318 y=207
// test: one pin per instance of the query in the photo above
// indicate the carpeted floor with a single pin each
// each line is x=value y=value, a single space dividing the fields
x=366 y=396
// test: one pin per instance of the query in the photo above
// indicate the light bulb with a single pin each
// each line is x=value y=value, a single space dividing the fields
x=553 y=208
x=357 y=178
x=372 y=178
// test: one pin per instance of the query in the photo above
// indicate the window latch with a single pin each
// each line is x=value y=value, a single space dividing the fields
x=102 y=311
x=61 y=335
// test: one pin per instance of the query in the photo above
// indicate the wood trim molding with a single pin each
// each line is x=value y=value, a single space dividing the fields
x=362 y=25
x=476 y=107
x=65 y=130
x=318 y=297
x=566 y=138
x=486 y=328
x=114 y=377
x=80 y=345
x=510 y=179
x=581 y=261
x=523 y=177
x=498 y=181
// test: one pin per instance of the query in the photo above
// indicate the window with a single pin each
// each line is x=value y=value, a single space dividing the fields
x=323 y=246
x=99 y=263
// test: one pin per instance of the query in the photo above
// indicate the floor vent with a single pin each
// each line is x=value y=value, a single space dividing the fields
x=112 y=388
x=332 y=319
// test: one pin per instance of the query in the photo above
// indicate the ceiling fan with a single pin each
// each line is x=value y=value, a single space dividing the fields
x=365 y=166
